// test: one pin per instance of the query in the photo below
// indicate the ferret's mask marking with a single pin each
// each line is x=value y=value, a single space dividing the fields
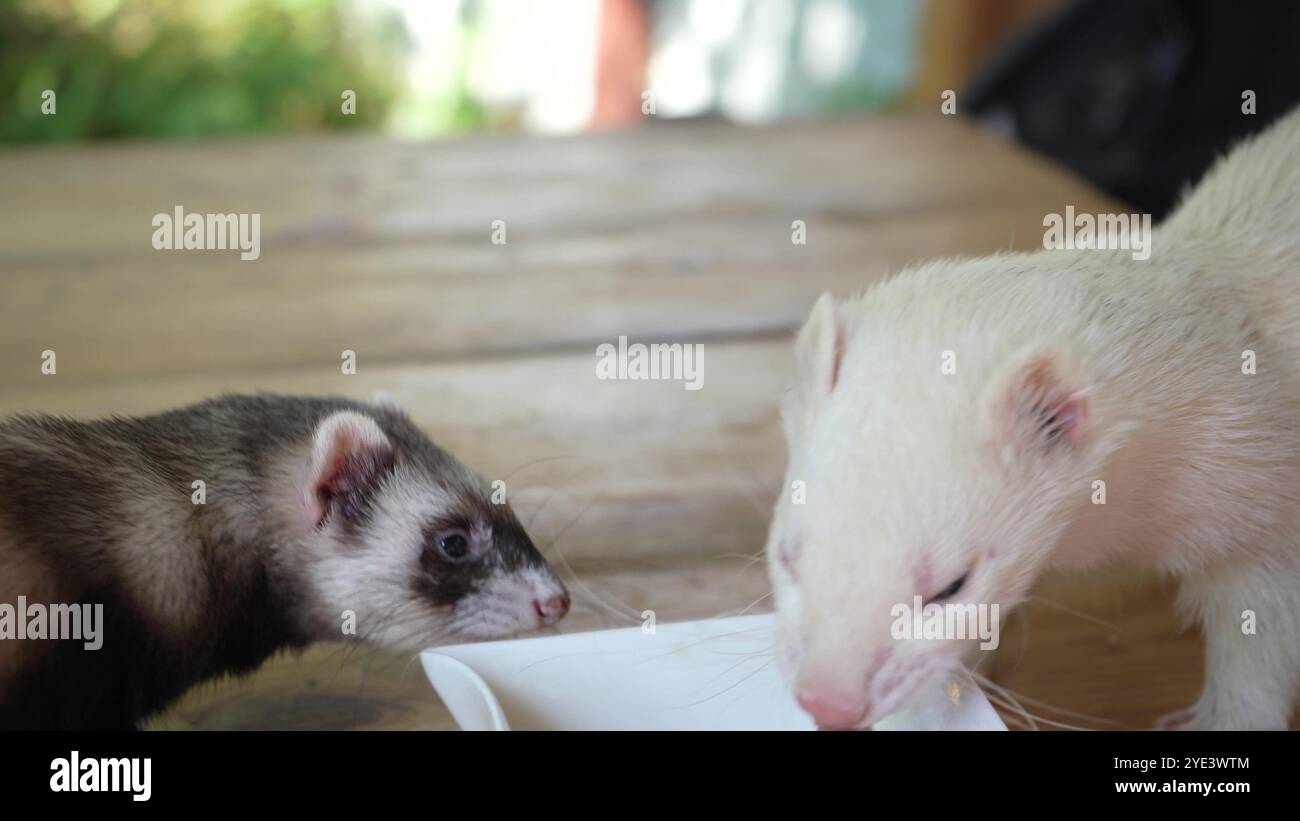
x=402 y=527
x=496 y=545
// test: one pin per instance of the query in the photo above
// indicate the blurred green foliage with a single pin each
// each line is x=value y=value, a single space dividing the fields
x=166 y=68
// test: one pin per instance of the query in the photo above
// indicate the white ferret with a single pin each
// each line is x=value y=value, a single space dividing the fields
x=1174 y=380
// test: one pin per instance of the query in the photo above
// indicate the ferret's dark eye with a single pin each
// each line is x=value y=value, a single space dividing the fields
x=454 y=545
x=952 y=589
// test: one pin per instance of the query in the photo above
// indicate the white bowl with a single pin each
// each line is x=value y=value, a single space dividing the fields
x=717 y=674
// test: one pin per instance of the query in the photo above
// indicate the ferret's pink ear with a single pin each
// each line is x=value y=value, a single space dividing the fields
x=350 y=455
x=1041 y=401
x=818 y=350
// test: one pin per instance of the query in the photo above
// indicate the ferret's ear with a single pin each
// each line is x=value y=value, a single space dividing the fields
x=383 y=399
x=350 y=455
x=1039 y=402
x=818 y=350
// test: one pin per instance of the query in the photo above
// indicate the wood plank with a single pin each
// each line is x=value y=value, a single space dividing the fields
x=385 y=249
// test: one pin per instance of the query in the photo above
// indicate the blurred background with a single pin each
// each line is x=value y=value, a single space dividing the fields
x=426 y=68
x=1113 y=90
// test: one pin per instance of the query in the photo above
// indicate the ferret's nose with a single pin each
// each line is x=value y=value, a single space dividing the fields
x=830 y=713
x=551 y=609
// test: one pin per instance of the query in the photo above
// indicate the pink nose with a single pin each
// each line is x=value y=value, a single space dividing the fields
x=552 y=609
x=831 y=714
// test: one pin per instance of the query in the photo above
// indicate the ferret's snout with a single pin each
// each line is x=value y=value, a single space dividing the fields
x=831 y=711
x=837 y=693
x=550 y=609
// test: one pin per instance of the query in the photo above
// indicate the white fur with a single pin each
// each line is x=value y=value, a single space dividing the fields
x=914 y=476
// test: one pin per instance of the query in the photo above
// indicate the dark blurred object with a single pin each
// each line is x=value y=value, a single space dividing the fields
x=1141 y=97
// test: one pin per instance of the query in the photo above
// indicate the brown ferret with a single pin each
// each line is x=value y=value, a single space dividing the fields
x=311 y=514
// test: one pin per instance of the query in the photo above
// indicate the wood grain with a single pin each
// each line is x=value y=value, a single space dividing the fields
x=648 y=496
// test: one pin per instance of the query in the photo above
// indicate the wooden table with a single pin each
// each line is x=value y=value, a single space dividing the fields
x=652 y=496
